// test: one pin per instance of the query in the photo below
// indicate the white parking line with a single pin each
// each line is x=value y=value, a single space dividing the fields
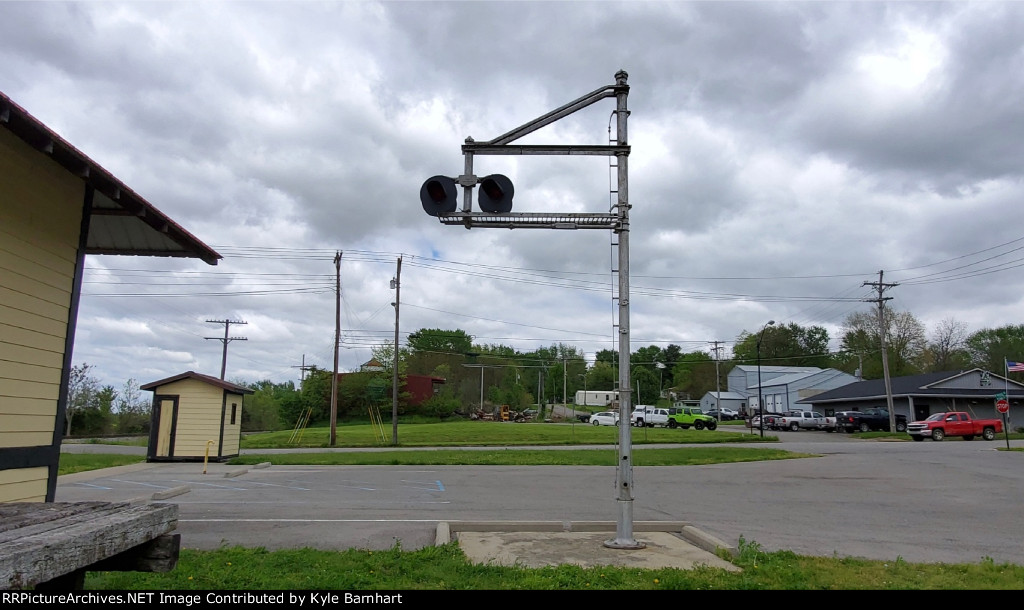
x=210 y=485
x=275 y=485
x=141 y=483
x=91 y=485
x=436 y=485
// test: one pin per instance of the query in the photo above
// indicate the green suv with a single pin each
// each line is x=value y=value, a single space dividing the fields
x=684 y=417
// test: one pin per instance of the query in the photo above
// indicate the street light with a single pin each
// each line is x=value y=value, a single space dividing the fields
x=760 y=398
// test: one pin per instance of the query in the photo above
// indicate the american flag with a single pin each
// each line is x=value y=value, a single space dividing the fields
x=1014 y=367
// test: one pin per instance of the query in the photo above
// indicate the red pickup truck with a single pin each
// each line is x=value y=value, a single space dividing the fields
x=954 y=423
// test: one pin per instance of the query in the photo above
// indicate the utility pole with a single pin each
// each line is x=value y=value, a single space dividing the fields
x=227 y=325
x=337 y=340
x=718 y=383
x=397 y=285
x=881 y=287
x=303 y=368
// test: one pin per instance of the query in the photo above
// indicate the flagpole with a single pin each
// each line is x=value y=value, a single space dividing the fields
x=1006 y=416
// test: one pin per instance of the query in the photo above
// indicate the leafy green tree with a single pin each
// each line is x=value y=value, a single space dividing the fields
x=991 y=346
x=290 y=409
x=647 y=359
x=97 y=416
x=262 y=410
x=441 y=405
x=385 y=355
x=359 y=393
x=645 y=386
x=785 y=345
x=440 y=341
x=314 y=397
x=133 y=409
x=82 y=389
x=603 y=376
x=563 y=373
x=694 y=374
x=670 y=355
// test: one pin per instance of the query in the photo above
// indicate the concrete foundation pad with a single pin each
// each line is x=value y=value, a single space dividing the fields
x=552 y=544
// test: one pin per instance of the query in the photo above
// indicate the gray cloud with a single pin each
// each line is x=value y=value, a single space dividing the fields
x=781 y=151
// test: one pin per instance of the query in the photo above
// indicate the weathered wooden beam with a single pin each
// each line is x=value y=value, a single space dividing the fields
x=41 y=542
x=158 y=555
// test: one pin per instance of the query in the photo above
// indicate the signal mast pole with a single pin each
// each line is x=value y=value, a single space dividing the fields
x=438 y=197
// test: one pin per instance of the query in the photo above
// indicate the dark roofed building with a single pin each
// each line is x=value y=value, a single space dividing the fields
x=918 y=396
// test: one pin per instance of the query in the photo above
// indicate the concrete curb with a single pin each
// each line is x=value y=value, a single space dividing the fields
x=170 y=493
x=235 y=473
x=443 y=534
x=703 y=540
x=696 y=537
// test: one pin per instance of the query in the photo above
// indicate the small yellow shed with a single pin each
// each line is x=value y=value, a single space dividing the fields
x=195 y=417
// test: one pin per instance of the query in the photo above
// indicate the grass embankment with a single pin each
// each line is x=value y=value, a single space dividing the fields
x=71 y=463
x=681 y=456
x=446 y=568
x=489 y=434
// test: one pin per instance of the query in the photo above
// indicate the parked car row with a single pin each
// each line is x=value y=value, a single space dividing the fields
x=724 y=414
x=770 y=420
x=794 y=421
x=674 y=417
x=875 y=418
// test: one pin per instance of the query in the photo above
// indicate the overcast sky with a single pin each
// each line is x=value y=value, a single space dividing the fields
x=782 y=154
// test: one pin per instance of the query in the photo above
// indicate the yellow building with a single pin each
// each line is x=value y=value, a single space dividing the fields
x=56 y=206
x=195 y=417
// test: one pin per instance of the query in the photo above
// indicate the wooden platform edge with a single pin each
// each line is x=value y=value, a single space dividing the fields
x=130 y=537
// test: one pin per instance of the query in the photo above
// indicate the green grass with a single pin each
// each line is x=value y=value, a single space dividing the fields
x=80 y=462
x=487 y=434
x=133 y=441
x=447 y=568
x=682 y=456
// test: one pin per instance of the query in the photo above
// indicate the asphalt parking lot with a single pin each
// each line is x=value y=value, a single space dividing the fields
x=950 y=502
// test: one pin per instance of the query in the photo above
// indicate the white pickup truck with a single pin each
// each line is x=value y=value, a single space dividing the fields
x=805 y=420
x=646 y=415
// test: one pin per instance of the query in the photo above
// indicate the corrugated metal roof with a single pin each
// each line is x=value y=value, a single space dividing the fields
x=121 y=222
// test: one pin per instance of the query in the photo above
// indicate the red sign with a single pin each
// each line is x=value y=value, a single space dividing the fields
x=1002 y=405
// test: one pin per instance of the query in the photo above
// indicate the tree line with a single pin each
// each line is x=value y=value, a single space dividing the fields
x=479 y=377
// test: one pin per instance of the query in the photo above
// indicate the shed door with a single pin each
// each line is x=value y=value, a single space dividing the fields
x=168 y=416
